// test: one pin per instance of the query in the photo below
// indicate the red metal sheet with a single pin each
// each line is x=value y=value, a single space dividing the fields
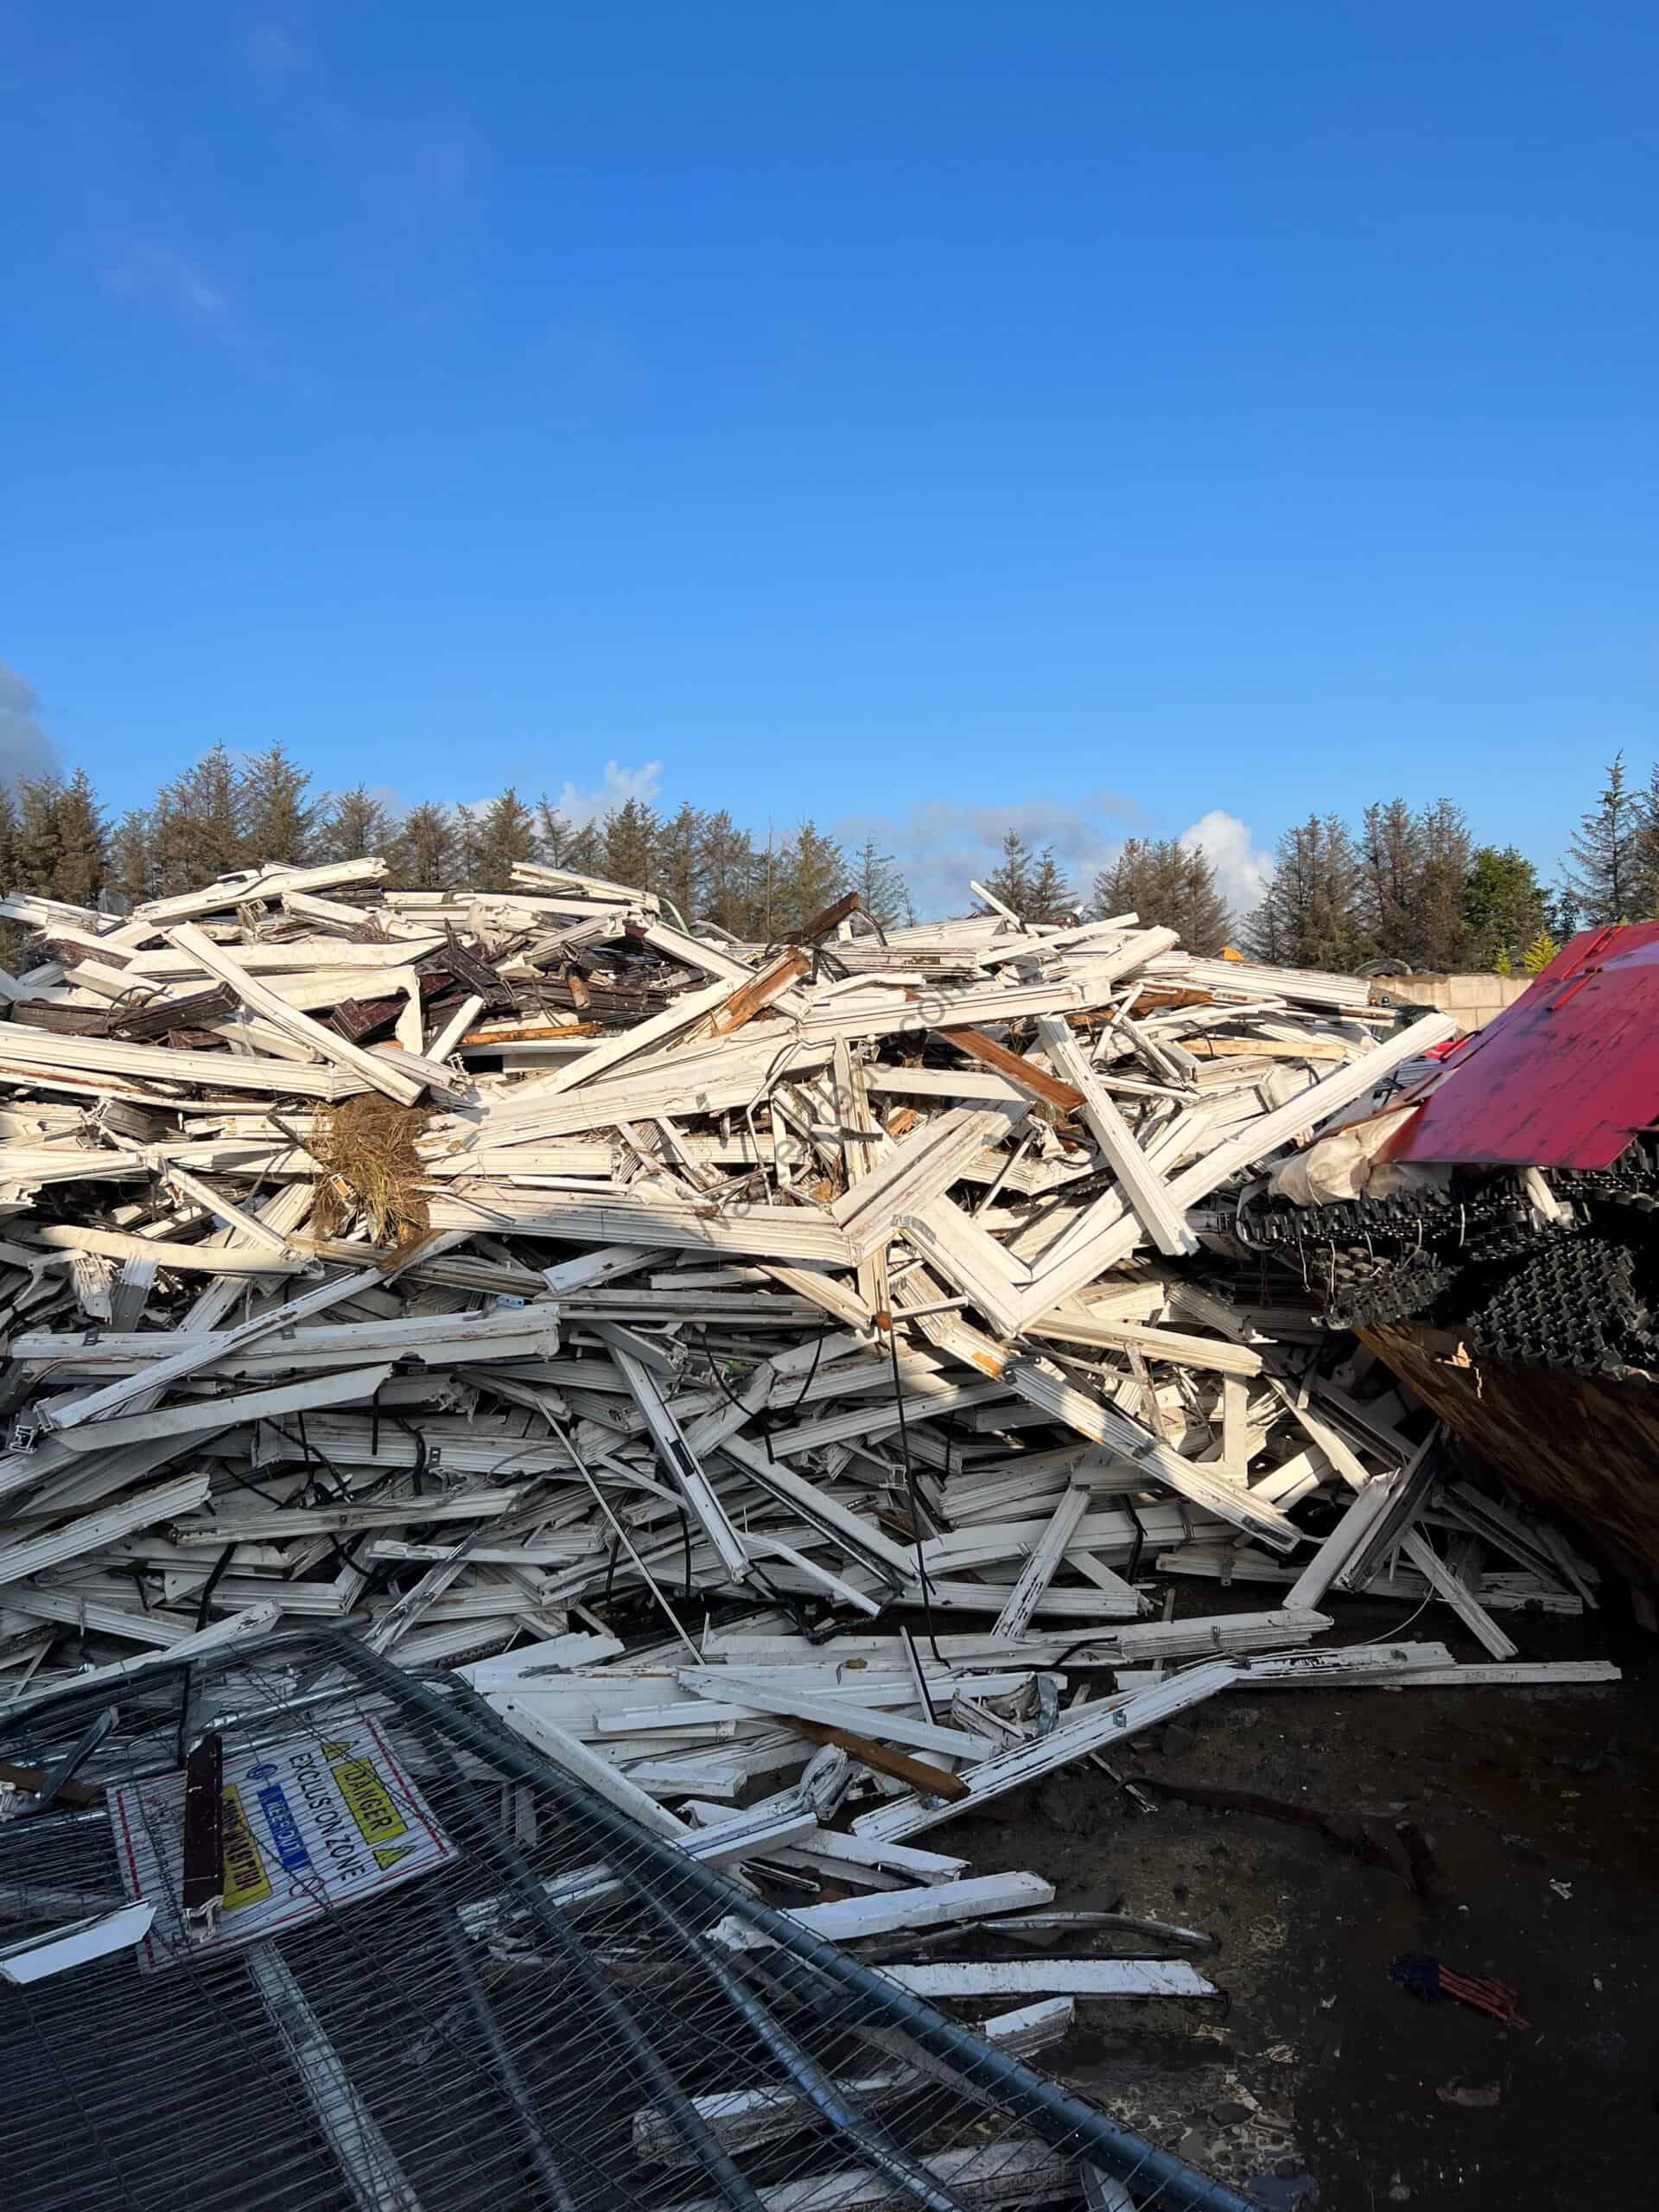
x=1562 y=1078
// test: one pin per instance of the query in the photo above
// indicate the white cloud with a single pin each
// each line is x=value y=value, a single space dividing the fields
x=1243 y=871
x=941 y=846
x=25 y=748
x=163 y=274
x=581 y=807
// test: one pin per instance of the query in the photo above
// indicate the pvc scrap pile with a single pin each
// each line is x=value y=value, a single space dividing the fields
x=542 y=1284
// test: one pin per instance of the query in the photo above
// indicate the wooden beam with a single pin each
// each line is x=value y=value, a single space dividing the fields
x=828 y=917
x=934 y=1780
x=1062 y=1097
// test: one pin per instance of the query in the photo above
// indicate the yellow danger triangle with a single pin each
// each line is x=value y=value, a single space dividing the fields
x=337 y=1750
x=388 y=1854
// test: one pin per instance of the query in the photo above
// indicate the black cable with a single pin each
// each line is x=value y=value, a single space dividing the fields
x=824 y=1336
x=787 y=1602
x=765 y=1418
x=210 y=1584
x=1138 y=1543
x=343 y=1495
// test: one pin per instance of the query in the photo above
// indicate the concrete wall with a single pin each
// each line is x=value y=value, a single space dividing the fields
x=1470 y=1000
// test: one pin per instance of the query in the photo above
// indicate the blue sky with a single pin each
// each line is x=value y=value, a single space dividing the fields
x=1113 y=417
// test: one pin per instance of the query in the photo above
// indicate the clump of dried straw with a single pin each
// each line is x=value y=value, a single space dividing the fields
x=367 y=1148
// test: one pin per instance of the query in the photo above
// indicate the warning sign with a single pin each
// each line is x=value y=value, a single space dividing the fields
x=246 y=1880
x=310 y=1825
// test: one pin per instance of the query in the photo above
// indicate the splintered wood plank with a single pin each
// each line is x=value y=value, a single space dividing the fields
x=936 y=1781
x=1062 y=1097
x=759 y=991
x=792 y=1704
x=828 y=917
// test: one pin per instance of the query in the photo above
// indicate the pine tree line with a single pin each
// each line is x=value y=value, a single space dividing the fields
x=1409 y=888
x=220 y=814
x=1413 y=890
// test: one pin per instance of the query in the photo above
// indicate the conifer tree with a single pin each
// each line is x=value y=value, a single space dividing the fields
x=677 y=866
x=1605 y=874
x=497 y=836
x=630 y=837
x=584 y=851
x=728 y=858
x=83 y=844
x=814 y=874
x=768 y=901
x=1307 y=918
x=354 y=826
x=198 y=825
x=276 y=817
x=553 y=835
x=1389 y=891
x=1169 y=886
x=1203 y=920
x=130 y=868
x=1051 y=897
x=1445 y=847
x=1539 y=954
x=9 y=880
x=167 y=848
x=1647 y=851
x=34 y=843
x=1011 y=882
x=13 y=936
x=880 y=887
x=426 y=852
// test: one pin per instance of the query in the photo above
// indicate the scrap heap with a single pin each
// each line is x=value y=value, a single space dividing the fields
x=539 y=1282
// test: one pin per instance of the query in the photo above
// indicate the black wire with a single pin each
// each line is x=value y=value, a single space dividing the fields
x=824 y=1336
x=1054 y=1666
x=767 y=1416
x=343 y=1494
x=210 y=1584
x=785 y=1600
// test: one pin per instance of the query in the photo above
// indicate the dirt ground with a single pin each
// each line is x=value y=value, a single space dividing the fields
x=1542 y=1810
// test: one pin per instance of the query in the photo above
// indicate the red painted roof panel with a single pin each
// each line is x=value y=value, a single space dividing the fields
x=1562 y=1078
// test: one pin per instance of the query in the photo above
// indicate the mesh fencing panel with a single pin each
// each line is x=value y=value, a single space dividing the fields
x=447 y=1974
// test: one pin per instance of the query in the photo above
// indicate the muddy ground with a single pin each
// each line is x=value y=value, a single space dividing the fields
x=1542 y=1808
